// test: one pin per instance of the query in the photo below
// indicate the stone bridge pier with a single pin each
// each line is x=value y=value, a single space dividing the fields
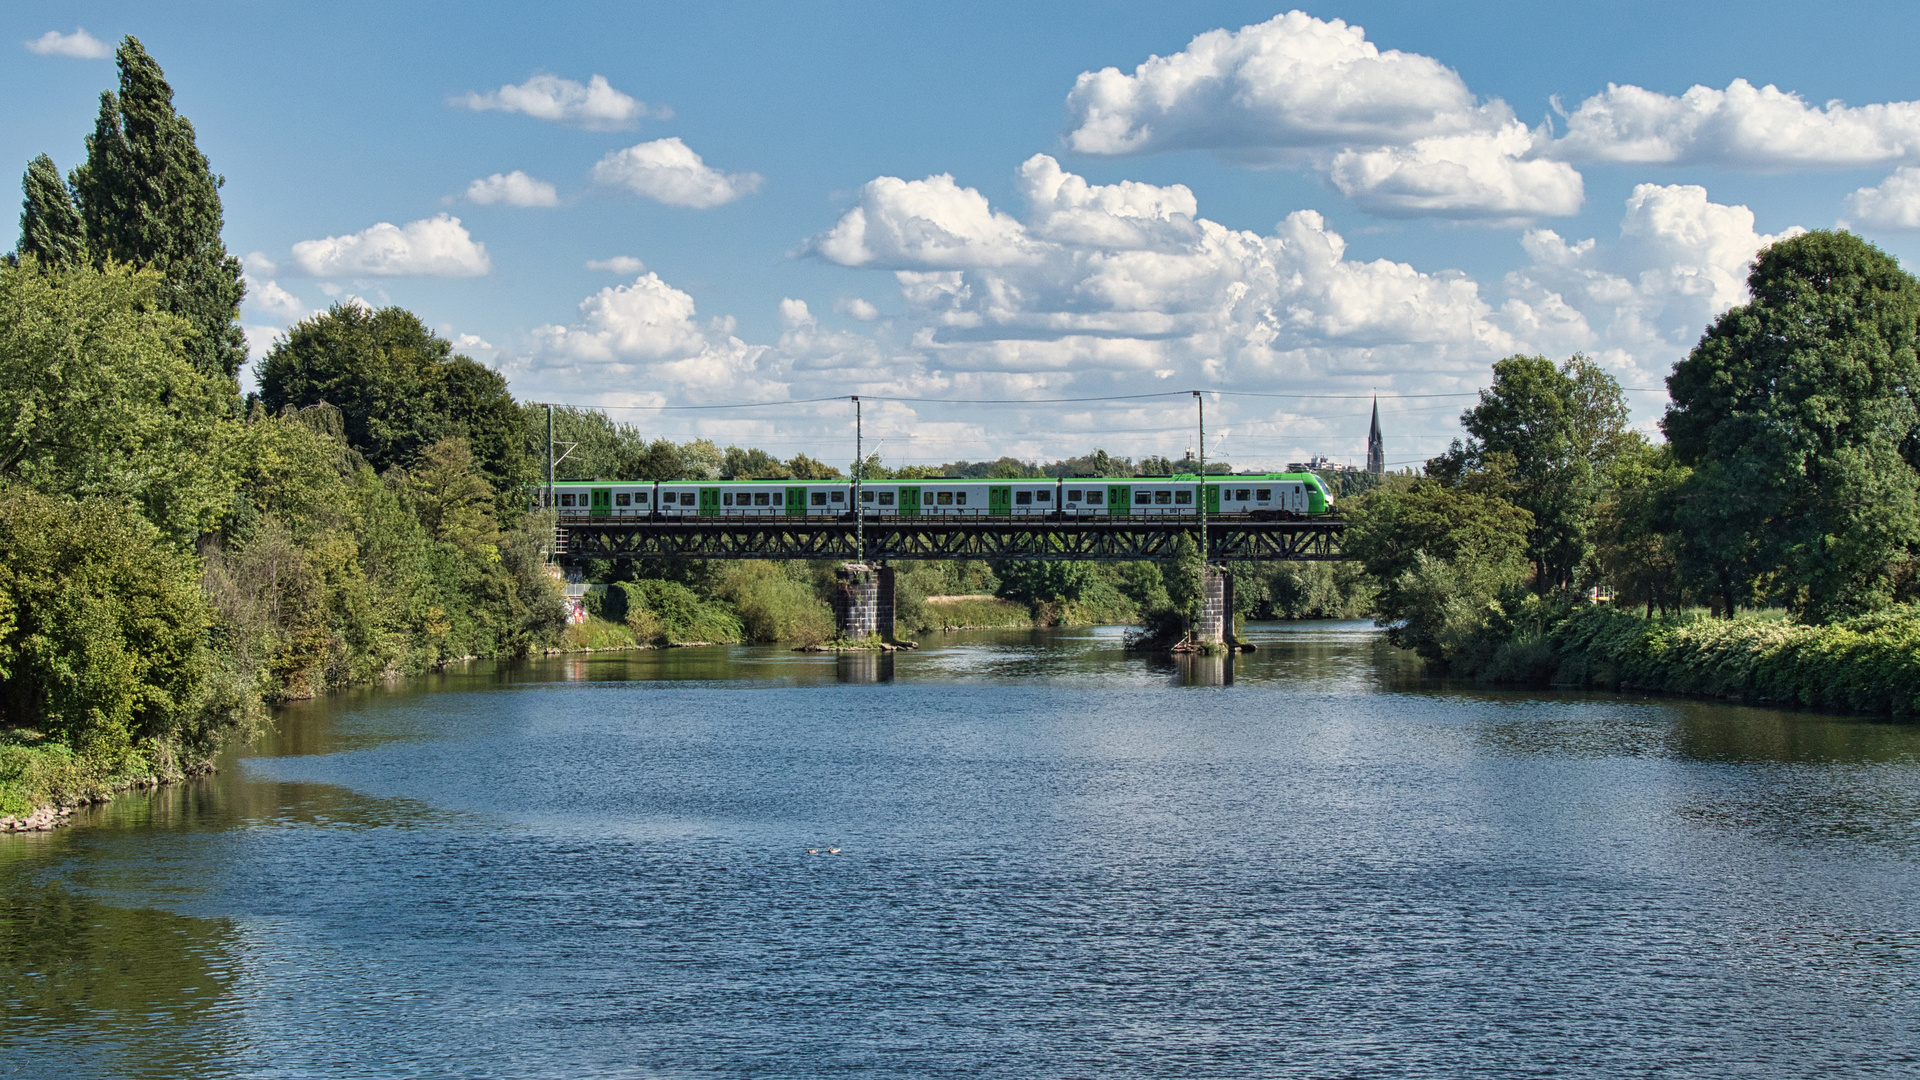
x=863 y=601
x=1215 y=625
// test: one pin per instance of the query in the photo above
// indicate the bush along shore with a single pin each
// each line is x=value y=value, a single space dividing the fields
x=1767 y=551
x=1866 y=664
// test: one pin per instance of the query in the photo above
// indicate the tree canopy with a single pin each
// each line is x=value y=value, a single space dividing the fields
x=145 y=196
x=1797 y=413
x=400 y=388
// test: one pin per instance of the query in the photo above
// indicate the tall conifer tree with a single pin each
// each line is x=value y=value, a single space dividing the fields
x=50 y=226
x=146 y=196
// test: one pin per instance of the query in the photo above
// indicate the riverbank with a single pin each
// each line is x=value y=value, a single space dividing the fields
x=42 y=784
x=1868 y=665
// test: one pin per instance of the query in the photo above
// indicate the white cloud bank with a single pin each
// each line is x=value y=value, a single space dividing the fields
x=1893 y=204
x=597 y=106
x=1401 y=134
x=433 y=247
x=78 y=45
x=624 y=265
x=668 y=171
x=1124 y=288
x=1741 y=127
x=512 y=189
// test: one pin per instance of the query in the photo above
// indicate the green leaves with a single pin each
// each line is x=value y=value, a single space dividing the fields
x=97 y=397
x=400 y=388
x=1798 y=411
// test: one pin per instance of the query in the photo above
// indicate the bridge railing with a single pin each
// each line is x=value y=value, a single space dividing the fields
x=1067 y=539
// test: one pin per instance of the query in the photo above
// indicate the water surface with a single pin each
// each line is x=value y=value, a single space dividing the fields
x=1055 y=861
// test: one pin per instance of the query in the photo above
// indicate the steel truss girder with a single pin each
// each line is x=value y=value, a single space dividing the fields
x=1252 y=541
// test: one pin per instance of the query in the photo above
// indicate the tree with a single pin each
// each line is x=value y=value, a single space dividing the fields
x=401 y=389
x=97 y=397
x=146 y=196
x=1560 y=427
x=51 y=229
x=1637 y=544
x=1442 y=557
x=1797 y=413
x=741 y=464
x=805 y=468
x=102 y=636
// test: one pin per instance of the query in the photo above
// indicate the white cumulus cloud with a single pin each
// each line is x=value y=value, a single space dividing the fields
x=1480 y=174
x=597 y=106
x=856 y=307
x=1742 y=126
x=79 y=45
x=902 y=224
x=433 y=247
x=1291 y=82
x=642 y=339
x=619 y=264
x=512 y=189
x=1893 y=204
x=1680 y=260
x=668 y=171
x=1398 y=133
x=270 y=298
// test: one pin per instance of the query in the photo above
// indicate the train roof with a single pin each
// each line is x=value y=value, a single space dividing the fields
x=1189 y=478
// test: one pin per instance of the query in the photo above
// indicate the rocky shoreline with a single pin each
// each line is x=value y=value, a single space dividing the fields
x=50 y=816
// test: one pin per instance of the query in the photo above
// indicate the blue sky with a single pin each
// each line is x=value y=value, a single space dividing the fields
x=1361 y=197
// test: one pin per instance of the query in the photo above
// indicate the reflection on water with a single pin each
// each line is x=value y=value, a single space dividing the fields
x=1055 y=859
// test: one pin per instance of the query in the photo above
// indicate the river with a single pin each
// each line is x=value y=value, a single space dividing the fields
x=1054 y=860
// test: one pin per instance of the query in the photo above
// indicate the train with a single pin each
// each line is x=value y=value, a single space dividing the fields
x=1262 y=497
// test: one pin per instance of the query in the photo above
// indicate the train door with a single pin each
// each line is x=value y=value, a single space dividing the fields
x=1000 y=501
x=1213 y=498
x=601 y=503
x=796 y=501
x=910 y=501
x=1120 y=499
x=709 y=502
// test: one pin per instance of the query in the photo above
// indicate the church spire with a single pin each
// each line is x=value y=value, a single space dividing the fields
x=1376 y=447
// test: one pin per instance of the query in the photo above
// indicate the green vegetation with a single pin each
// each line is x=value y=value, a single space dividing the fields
x=1791 y=481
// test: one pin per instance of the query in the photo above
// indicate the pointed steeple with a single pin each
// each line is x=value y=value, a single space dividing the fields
x=1376 y=447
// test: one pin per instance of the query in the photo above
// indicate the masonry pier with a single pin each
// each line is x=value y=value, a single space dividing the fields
x=863 y=601
x=1215 y=625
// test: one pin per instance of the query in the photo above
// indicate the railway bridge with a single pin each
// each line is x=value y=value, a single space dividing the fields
x=865 y=603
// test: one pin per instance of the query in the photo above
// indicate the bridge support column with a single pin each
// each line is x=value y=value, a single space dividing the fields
x=863 y=603
x=1215 y=625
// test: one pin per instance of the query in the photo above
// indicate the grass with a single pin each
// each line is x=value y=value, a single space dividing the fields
x=35 y=773
x=974 y=612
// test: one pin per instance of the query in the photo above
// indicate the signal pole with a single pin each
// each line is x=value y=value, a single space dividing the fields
x=859 y=473
x=1202 y=402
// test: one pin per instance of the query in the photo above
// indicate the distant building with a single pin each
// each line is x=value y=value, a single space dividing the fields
x=1316 y=464
x=1376 y=446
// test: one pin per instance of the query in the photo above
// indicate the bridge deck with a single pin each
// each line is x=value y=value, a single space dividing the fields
x=936 y=538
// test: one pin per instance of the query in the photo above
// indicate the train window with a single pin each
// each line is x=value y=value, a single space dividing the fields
x=945 y=498
x=726 y=498
x=1241 y=495
x=1264 y=494
x=566 y=500
x=640 y=497
x=1095 y=496
x=886 y=498
x=960 y=498
x=1073 y=494
x=1162 y=498
x=866 y=496
x=1143 y=498
x=839 y=496
x=1023 y=498
x=1043 y=496
x=686 y=498
x=760 y=498
x=1184 y=498
x=623 y=499
x=819 y=498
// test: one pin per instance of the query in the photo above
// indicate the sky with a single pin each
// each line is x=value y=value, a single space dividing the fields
x=1026 y=229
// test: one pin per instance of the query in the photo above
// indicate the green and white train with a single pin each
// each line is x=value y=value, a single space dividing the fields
x=1265 y=497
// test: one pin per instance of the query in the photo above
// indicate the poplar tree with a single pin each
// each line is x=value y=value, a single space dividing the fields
x=50 y=226
x=145 y=196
